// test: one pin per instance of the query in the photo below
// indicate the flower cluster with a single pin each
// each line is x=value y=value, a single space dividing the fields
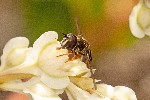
x=44 y=72
x=139 y=20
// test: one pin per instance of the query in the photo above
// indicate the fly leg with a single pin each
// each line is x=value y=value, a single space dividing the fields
x=92 y=74
x=87 y=58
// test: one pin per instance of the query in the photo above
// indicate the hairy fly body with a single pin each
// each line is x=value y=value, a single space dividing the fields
x=78 y=46
x=69 y=42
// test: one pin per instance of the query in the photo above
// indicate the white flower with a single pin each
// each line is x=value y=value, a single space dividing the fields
x=103 y=92
x=116 y=93
x=42 y=62
x=47 y=72
x=139 y=20
x=14 y=52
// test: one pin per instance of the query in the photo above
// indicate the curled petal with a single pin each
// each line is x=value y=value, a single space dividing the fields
x=14 y=52
x=139 y=19
x=135 y=28
x=44 y=40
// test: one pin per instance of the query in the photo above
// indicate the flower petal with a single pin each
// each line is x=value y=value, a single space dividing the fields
x=43 y=40
x=84 y=83
x=16 y=45
x=18 y=85
x=75 y=93
x=70 y=68
x=116 y=93
x=76 y=67
x=55 y=82
x=40 y=91
x=124 y=93
x=52 y=58
x=133 y=23
x=105 y=90
x=11 y=77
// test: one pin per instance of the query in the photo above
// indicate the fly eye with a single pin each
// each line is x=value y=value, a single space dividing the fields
x=69 y=36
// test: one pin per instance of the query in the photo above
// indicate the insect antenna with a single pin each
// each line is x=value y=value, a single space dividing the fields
x=78 y=29
x=65 y=35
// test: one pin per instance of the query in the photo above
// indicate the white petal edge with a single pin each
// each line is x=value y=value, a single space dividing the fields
x=44 y=39
x=134 y=27
x=120 y=91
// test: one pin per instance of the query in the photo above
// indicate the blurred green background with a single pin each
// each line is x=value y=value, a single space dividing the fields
x=58 y=15
x=120 y=58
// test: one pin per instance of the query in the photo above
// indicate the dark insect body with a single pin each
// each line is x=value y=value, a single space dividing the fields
x=78 y=46
x=69 y=42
